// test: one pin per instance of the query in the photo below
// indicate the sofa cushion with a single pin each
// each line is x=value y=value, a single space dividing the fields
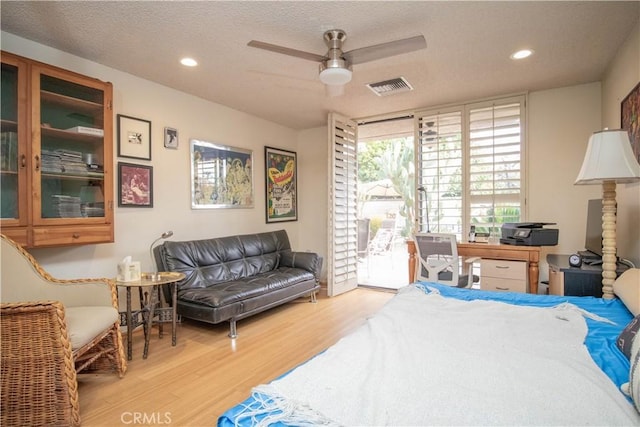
x=86 y=323
x=222 y=294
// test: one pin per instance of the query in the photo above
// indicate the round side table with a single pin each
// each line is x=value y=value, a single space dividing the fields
x=154 y=281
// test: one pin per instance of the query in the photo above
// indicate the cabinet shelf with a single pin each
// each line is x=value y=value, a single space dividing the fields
x=64 y=101
x=91 y=176
x=70 y=135
x=8 y=125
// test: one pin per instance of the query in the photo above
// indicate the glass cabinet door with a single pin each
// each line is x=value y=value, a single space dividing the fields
x=13 y=192
x=69 y=172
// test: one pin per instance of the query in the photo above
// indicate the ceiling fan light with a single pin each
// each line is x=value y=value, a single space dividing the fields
x=335 y=76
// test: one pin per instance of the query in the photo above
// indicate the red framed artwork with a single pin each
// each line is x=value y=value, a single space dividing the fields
x=135 y=185
x=630 y=120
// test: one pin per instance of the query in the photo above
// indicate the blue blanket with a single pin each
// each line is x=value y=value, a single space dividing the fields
x=600 y=340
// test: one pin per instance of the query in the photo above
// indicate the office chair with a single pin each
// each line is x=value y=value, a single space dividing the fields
x=438 y=260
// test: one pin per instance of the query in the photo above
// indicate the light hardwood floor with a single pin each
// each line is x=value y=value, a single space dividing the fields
x=207 y=373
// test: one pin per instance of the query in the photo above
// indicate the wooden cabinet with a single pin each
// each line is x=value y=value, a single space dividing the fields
x=56 y=156
x=501 y=275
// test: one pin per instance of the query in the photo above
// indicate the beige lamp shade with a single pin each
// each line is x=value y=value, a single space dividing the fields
x=609 y=157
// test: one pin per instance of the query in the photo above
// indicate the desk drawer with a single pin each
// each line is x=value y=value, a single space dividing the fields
x=502 y=285
x=503 y=269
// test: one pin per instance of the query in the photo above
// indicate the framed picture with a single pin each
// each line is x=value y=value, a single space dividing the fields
x=281 y=185
x=134 y=137
x=170 y=138
x=221 y=176
x=135 y=185
x=630 y=118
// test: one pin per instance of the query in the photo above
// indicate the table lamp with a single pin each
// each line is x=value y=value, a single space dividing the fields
x=609 y=160
x=164 y=235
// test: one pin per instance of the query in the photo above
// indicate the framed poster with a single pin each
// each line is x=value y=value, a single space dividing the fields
x=170 y=138
x=281 y=185
x=135 y=185
x=134 y=137
x=630 y=119
x=221 y=176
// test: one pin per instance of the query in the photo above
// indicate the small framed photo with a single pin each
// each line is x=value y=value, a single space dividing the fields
x=170 y=138
x=135 y=185
x=134 y=137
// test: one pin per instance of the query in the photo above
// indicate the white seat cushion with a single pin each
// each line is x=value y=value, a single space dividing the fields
x=85 y=323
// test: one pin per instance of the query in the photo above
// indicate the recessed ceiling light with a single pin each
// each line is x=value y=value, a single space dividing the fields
x=521 y=54
x=188 y=62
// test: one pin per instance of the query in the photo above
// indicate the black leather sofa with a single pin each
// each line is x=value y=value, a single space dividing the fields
x=231 y=278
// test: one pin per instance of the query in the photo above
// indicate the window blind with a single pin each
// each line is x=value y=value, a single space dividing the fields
x=470 y=165
x=495 y=181
x=439 y=165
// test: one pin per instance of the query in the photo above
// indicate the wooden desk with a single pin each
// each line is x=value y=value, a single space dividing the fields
x=530 y=254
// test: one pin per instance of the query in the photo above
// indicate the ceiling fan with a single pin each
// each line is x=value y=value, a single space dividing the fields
x=335 y=65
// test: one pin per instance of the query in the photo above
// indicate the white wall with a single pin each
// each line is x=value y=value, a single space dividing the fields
x=622 y=75
x=560 y=123
x=313 y=156
x=136 y=228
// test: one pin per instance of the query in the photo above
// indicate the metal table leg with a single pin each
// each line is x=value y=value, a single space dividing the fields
x=129 y=326
x=174 y=313
x=149 y=319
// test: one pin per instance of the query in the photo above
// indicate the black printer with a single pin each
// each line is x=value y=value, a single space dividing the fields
x=529 y=234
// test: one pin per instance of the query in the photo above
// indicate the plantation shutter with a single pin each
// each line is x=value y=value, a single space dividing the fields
x=496 y=178
x=439 y=171
x=470 y=165
x=342 y=268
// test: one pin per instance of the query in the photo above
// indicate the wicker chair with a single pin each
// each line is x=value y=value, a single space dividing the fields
x=51 y=330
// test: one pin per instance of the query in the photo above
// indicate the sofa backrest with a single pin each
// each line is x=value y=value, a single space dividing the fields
x=211 y=261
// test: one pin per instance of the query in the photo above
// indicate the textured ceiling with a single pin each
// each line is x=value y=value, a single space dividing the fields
x=467 y=55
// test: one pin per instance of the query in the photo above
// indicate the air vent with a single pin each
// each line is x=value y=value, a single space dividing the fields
x=390 y=87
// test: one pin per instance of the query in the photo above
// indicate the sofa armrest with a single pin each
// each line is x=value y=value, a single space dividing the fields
x=309 y=261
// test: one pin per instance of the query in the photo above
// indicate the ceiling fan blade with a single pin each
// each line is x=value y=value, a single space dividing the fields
x=385 y=50
x=287 y=51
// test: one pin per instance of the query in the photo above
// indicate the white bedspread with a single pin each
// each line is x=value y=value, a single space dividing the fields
x=430 y=360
